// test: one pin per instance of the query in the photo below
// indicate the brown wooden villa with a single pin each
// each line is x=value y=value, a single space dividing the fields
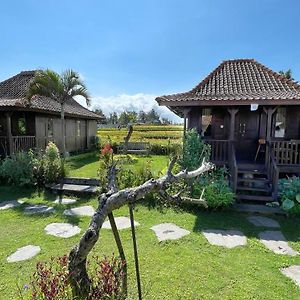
x=254 y=126
x=24 y=126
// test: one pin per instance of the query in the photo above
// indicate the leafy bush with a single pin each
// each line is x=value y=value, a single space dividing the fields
x=29 y=168
x=18 y=170
x=51 y=280
x=167 y=149
x=194 y=151
x=289 y=193
x=215 y=185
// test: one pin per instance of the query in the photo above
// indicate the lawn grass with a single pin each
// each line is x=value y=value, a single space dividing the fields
x=188 y=268
x=87 y=164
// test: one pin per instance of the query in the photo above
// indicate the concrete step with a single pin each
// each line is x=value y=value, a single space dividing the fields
x=258 y=208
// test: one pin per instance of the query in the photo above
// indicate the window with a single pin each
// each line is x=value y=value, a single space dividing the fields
x=280 y=123
x=78 y=128
x=206 y=122
x=50 y=127
x=22 y=130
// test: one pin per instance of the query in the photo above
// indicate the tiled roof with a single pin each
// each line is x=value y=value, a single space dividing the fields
x=235 y=80
x=13 y=92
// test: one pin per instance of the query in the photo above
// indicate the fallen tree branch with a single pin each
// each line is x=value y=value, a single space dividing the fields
x=110 y=201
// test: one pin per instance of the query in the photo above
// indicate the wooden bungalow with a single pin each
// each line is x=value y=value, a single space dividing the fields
x=24 y=126
x=253 y=127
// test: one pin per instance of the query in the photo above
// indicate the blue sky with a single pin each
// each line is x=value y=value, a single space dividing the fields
x=130 y=51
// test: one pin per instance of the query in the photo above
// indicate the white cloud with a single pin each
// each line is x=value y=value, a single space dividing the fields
x=136 y=102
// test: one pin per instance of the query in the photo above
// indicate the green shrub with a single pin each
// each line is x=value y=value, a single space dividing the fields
x=215 y=184
x=29 y=168
x=194 y=151
x=18 y=169
x=53 y=165
x=166 y=149
x=289 y=194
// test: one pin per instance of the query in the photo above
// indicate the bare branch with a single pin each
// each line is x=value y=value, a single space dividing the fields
x=114 y=199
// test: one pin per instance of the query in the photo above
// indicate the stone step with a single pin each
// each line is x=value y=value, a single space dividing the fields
x=258 y=208
x=254 y=198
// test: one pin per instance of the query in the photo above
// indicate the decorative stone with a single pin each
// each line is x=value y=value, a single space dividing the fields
x=293 y=272
x=24 y=253
x=80 y=211
x=38 y=209
x=10 y=204
x=263 y=221
x=65 y=201
x=64 y=230
x=169 y=231
x=225 y=238
x=121 y=223
x=276 y=242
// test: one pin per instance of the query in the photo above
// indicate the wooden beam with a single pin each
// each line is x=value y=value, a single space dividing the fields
x=9 y=134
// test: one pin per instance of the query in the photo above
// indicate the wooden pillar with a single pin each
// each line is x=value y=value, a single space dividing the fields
x=9 y=134
x=269 y=112
x=185 y=119
x=232 y=112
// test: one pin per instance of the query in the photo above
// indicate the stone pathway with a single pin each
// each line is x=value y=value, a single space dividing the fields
x=24 y=253
x=276 y=242
x=169 y=231
x=263 y=221
x=38 y=209
x=63 y=230
x=121 y=223
x=225 y=238
x=80 y=211
x=10 y=204
x=293 y=272
x=65 y=201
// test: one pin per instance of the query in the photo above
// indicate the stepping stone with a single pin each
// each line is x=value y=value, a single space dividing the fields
x=24 y=253
x=293 y=272
x=225 y=238
x=121 y=223
x=10 y=204
x=38 y=209
x=263 y=221
x=276 y=242
x=169 y=231
x=64 y=230
x=80 y=211
x=65 y=201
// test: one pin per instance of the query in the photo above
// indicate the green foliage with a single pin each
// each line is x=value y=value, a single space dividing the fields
x=215 y=185
x=289 y=193
x=167 y=149
x=33 y=168
x=19 y=169
x=194 y=151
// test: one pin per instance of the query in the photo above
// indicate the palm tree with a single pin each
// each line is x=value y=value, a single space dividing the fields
x=60 y=88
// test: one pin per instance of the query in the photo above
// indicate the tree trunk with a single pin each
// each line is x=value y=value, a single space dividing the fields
x=63 y=129
x=110 y=201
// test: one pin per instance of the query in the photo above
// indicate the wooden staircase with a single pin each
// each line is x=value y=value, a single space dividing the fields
x=253 y=184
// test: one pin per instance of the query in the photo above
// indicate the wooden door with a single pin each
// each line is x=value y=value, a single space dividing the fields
x=247 y=135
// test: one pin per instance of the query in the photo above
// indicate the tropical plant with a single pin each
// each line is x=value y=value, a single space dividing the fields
x=289 y=192
x=60 y=88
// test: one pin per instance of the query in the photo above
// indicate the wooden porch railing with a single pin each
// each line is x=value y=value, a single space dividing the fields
x=286 y=152
x=3 y=145
x=272 y=170
x=219 y=151
x=23 y=143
